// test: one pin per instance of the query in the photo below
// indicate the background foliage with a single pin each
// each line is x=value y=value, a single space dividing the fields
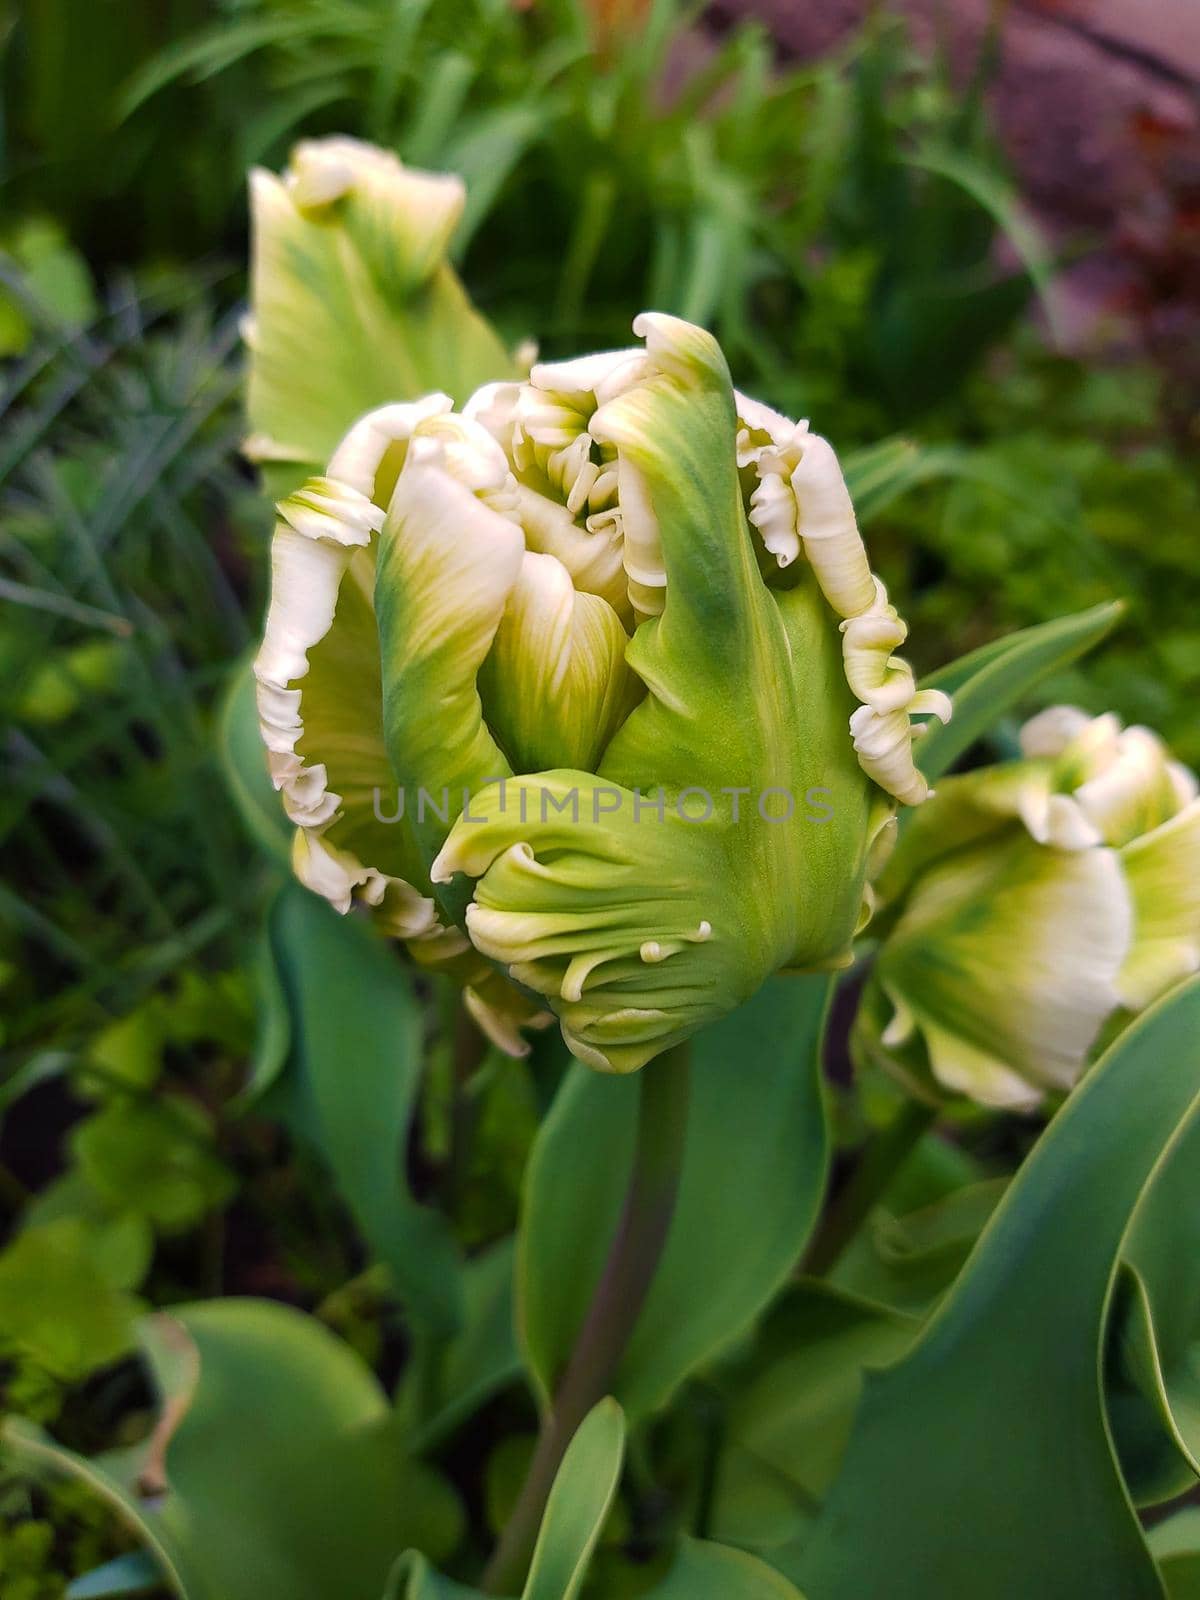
x=171 y=1109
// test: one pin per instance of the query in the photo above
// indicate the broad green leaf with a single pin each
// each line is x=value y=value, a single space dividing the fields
x=754 y=1172
x=881 y=473
x=789 y=1406
x=706 y=1571
x=954 y=1480
x=991 y=680
x=244 y=761
x=1154 y=1354
x=29 y=1450
x=414 y=1579
x=278 y=1460
x=447 y=1380
x=1175 y=1545
x=285 y=1472
x=908 y=1261
x=355 y=1065
x=579 y=1502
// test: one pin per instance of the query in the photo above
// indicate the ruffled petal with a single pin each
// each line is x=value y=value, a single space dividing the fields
x=1006 y=958
x=352 y=301
x=318 y=683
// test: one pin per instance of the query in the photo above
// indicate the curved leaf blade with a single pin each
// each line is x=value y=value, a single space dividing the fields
x=355 y=1065
x=953 y=1480
x=579 y=1502
x=706 y=1571
x=993 y=679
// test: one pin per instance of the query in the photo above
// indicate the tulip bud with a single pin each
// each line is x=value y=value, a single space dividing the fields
x=608 y=643
x=354 y=303
x=1030 y=904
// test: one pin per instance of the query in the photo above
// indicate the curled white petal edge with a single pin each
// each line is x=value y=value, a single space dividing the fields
x=319 y=529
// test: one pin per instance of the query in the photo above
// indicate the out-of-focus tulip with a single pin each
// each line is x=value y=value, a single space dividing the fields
x=1030 y=904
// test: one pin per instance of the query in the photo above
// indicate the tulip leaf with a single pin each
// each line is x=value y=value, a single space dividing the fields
x=908 y=1261
x=1175 y=1545
x=353 y=1074
x=414 y=1579
x=447 y=1380
x=1154 y=1347
x=29 y=1450
x=579 y=1502
x=789 y=1404
x=954 y=1478
x=754 y=1172
x=880 y=474
x=135 y=1573
x=706 y=1571
x=276 y=1467
x=993 y=679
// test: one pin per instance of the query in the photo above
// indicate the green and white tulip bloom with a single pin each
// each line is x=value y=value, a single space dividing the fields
x=1032 y=905
x=609 y=640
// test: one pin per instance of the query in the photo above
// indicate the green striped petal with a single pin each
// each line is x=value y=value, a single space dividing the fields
x=352 y=302
x=1163 y=870
x=555 y=685
x=447 y=565
x=1003 y=967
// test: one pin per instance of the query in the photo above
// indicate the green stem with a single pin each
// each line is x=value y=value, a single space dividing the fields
x=617 y=1303
x=879 y=1164
x=469 y=1052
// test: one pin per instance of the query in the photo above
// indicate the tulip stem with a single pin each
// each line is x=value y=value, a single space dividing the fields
x=616 y=1305
x=877 y=1166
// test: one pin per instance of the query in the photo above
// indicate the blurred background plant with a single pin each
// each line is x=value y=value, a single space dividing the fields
x=850 y=232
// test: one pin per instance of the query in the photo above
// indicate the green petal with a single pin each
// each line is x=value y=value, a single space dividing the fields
x=604 y=913
x=352 y=302
x=1163 y=871
x=319 y=686
x=447 y=564
x=555 y=684
x=1005 y=960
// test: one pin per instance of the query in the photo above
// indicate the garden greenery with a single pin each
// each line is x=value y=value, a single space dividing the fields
x=569 y=815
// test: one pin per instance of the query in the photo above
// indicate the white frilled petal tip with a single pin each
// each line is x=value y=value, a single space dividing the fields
x=1095 y=782
x=502 y=1027
x=592 y=379
x=340 y=877
x=829 y=529
x=322 y=171
x=320 y=528
x=883 y=741
x=357 y=460
x=1051 y=731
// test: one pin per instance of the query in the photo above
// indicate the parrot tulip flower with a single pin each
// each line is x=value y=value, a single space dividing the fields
x=585 y=690
x=1030 y=905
